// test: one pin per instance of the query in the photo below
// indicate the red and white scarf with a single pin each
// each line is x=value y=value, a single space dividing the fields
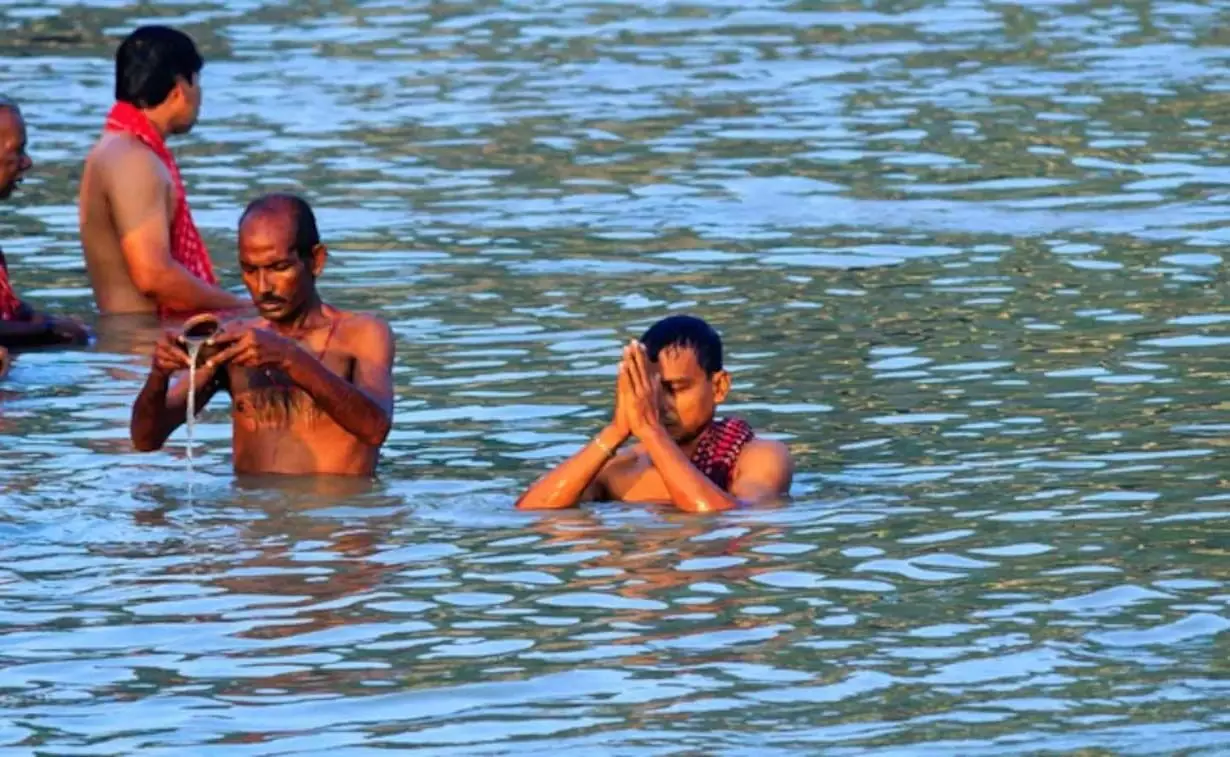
x=187 y=247
x=719 y=449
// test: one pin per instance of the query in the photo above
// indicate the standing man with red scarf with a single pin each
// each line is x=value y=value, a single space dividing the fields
x=142 y=248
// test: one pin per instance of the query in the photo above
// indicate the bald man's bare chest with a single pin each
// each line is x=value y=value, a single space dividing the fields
x=267 y=399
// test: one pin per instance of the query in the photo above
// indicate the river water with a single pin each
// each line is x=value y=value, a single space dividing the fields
x=967 y=258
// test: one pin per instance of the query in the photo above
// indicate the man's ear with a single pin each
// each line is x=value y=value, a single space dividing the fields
x=179 y=92
x=721 y=386
x=317 y=261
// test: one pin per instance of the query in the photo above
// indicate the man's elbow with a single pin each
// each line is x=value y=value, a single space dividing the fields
x=150 y=282
x=379 y=433
x=704 y=505
x=145 y=442
x=144 y=436
x=529 y=501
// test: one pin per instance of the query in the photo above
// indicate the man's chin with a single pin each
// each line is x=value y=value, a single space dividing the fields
x=684 y=435
x=280 y=313
x=677 y=433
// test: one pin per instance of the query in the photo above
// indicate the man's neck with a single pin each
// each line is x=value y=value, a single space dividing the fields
x=159 y=120
x=689 y=447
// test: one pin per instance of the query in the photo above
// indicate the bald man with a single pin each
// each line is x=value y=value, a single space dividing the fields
x=20 y=324
x=311 y=386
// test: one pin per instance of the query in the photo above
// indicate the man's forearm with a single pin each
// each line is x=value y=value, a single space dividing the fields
x=345 y=403
x=151 y=421
x=175 y=289
x=26 y=333
x=690 y=490
x=564 y=486
x=26 y=312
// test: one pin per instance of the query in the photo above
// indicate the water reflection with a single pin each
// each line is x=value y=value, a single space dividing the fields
x=966 y=260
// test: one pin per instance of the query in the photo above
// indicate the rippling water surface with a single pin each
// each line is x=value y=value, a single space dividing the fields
x=967 y=257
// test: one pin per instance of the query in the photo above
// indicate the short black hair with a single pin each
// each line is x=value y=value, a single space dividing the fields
x=685 y=331
x=149 y=61
x=307 y=236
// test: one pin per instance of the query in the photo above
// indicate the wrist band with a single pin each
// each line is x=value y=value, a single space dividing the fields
x=603 y=446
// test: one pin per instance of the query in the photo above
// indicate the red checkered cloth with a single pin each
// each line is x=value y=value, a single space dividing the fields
x=187 y=247
x=9 y=303
x=719 y=449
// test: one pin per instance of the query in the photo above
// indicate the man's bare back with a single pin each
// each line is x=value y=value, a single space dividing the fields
x=119 y=155
x=143 y=252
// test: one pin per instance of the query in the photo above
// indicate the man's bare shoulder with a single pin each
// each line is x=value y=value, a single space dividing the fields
x=121 y=154
x=356 y=328
x=766 y=454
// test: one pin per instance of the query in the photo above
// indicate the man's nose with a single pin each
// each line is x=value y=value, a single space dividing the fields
x=26 y=163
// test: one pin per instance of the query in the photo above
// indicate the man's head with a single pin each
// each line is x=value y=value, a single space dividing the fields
x=14 y=162
x=158 y=69
x=688 y=355
x=280 y=255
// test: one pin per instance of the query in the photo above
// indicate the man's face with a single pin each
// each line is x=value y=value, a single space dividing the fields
x=14 y=162
x=278 y=279
x=188 y=96
x=689 y=395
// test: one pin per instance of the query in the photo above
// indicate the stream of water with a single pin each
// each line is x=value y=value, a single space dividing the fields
x=193 y=347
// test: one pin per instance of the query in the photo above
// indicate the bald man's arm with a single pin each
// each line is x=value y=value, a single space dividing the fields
x=365 y=407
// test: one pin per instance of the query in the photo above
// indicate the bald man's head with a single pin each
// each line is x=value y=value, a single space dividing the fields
x=280 y=255
x=14 y=162
x=293 y=210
